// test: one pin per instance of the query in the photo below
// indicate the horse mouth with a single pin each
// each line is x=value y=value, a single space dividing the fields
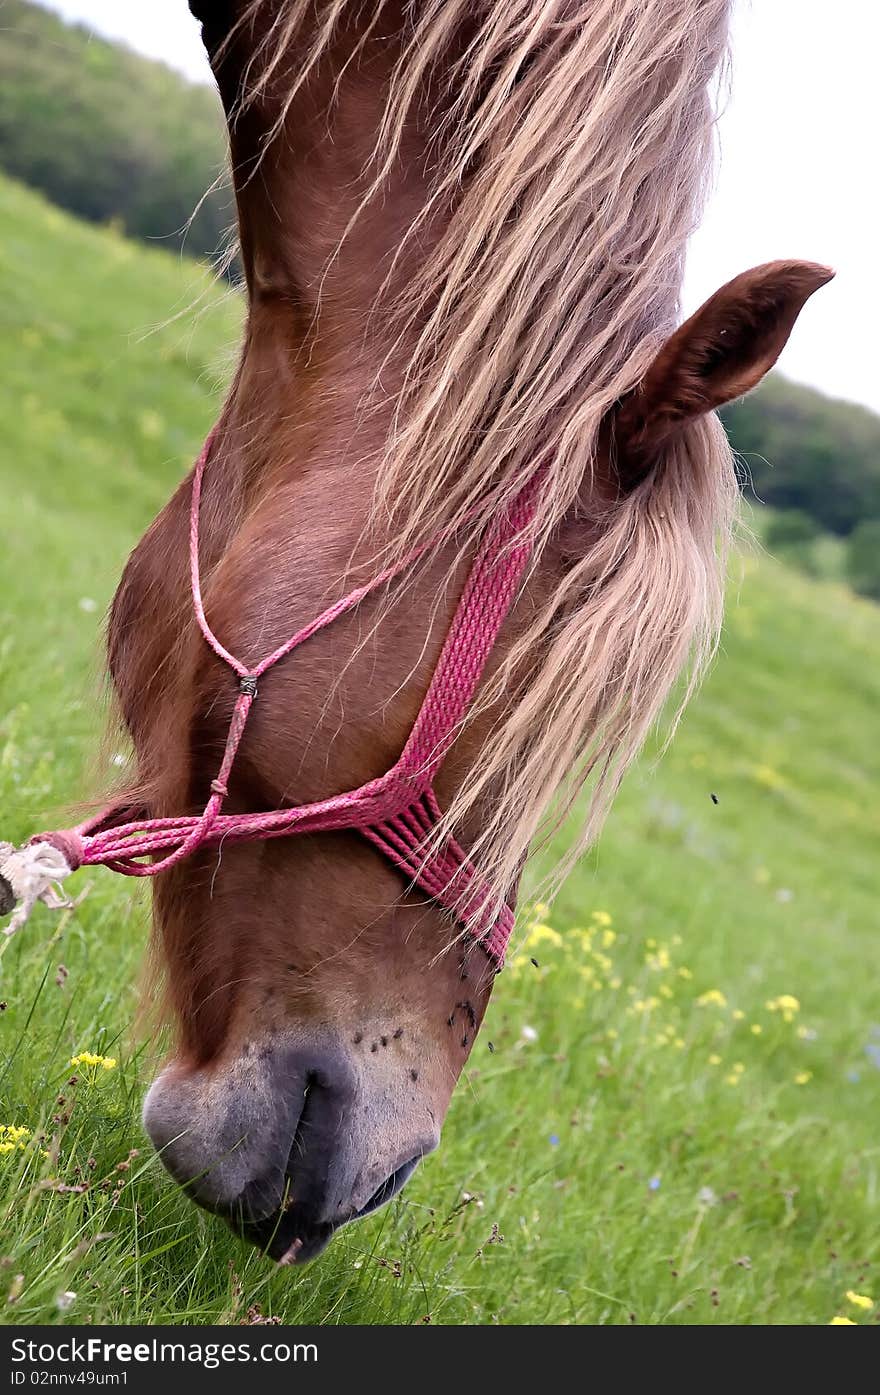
x=389 y=1188
x=292 y=1236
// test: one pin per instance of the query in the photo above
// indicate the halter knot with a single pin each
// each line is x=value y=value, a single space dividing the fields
x=66 y=841
x=247 y=683
x=35 y=872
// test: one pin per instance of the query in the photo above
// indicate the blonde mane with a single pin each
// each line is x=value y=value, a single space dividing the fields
x=570 y=154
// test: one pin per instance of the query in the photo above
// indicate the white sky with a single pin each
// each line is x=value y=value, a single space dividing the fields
x=798 y=162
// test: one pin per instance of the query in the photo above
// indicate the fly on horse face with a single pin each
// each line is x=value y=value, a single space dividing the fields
x=469 y=435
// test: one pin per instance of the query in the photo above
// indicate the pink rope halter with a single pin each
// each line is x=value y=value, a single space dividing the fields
x=396 y=812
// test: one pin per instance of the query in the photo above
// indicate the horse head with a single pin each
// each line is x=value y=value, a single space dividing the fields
x=461 y=228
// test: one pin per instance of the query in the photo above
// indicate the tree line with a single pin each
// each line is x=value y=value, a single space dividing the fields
x=818 y=461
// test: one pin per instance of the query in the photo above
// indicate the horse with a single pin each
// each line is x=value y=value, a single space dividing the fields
x=462 y=227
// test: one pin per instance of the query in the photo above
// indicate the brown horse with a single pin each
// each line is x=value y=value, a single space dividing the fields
x=462 y=226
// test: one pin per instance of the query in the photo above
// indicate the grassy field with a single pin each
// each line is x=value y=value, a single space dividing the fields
x=678 y=1121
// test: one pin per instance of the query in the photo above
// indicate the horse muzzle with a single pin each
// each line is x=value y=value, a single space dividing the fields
x=289 y=1142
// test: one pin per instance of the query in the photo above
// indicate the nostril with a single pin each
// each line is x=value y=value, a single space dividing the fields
x=286 y=1145
x=390 y=1187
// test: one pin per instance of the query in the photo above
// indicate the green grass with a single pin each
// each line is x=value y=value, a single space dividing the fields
x=630 y=1178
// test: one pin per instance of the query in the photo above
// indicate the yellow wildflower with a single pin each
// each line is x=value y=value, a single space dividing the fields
x=643 y=1005
x=658 y=959
x=93 y=1062
x=611 y=1034
x=12 y=1137
x=713 y=997
x=679 y=1043
x=839 y=1321
x=684 y=972
x=859 y=1300
x=601 y=917
x=738 y=1014
x=768 y=777
x=543 y=934
x=786 y=1004
x=665 y=991
x=803 y=1077
x=756 y=1029
x=614 y=983
x=714 y=1059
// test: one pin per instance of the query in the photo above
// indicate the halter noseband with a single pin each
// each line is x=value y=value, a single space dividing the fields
x=397 y=813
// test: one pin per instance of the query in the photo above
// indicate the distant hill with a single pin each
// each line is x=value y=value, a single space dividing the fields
x=109 y=135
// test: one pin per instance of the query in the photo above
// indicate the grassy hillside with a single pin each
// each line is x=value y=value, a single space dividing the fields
x=678 y=1121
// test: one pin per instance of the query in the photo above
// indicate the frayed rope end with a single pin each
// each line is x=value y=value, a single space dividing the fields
x=30 y=874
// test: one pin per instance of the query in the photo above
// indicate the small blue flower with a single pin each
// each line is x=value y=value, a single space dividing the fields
x=654 y=1184
x=853 y=1076
x=554 y=1140
x=872 y=1051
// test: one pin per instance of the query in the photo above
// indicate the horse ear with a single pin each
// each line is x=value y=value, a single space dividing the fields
x=218 y=19
x=720 y=353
